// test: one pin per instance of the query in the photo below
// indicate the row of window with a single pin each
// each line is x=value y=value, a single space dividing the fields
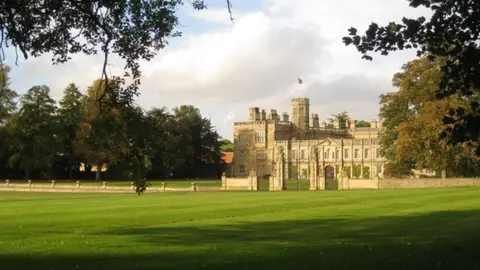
x=260 y=138
x=366 y=153
x=262 y=154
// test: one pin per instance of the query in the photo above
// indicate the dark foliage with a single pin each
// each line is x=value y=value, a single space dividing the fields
x=453 y=32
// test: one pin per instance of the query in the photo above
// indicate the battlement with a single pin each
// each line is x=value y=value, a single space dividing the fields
x=305 y=101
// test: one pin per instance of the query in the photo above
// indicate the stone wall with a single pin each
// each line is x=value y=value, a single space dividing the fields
x=248 y=183
x=427 y=182
x=78 y=188
x=362 y=184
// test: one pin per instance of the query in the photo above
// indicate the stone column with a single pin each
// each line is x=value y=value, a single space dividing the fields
x=278 y=181
x=224 y=182
x=314 y=169
x=254 y=183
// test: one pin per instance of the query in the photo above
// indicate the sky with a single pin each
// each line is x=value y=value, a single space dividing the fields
x=224 y=68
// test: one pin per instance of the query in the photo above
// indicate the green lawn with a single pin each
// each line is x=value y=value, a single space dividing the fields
x=382 y=229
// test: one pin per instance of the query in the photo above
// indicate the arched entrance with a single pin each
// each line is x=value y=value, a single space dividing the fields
x=330 y=182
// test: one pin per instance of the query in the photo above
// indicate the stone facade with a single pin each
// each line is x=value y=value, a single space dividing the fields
x=279 y=148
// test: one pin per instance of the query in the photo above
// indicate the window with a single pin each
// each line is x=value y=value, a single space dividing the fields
x=302 y=154
x=337 y=153
x=346 y=154
x=259 y=137
x=294 y=154
x=366 y=153
x=327 y=154
x=302 y=112
x=357 y=153
x=241 y=169
x=378 y=153
x=261 y=153
x=261 y=170
x=241 y=139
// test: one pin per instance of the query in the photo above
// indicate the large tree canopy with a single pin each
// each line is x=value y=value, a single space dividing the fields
x=453 y=32
x=413 y=123
x=133 y=29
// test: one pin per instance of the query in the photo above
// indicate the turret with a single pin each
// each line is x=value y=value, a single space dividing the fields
x=285 y=117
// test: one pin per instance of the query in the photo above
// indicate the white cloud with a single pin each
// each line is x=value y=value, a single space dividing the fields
x=256 y=62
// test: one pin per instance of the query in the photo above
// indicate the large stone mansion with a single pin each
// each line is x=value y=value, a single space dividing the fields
x=302 y=141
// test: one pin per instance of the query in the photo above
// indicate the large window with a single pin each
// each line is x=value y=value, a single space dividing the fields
x=346 y=154
x=260 y=153
x=357 y=151
x=338 y=154
x=241 y=169
x=302 y=154
x=294 y=154
x=259 y=137
x=241 y=139
x=366 y=152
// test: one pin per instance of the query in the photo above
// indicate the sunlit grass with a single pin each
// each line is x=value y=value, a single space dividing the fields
x=381 y=229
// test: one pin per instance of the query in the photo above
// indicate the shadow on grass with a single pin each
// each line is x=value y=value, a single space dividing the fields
x=439 y=240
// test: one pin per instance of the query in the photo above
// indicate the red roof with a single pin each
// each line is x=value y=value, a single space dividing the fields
x=227 y=157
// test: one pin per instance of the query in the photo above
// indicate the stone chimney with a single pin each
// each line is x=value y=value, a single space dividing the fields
x=315 y=120
x=254 y=114
x=263 y=115
x=336 y=123
x=285 y=117
x=373 y=124
x=273 y=115
x=352 y=124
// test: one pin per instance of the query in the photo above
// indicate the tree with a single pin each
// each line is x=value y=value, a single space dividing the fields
x=198 y=142
x=226 y=145
x=165 y=136
x=70 y=117
x=7 y=95
x=413 y=120
x=8 y=106
x=32 y=132
x=362 y=124
x=100 y=138
x=342 y=119
x=452 y=33
x=134 y=30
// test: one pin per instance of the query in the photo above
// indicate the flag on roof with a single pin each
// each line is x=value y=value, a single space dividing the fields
x=300 y=81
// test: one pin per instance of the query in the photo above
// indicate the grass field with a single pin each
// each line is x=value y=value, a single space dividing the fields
x=382 y=229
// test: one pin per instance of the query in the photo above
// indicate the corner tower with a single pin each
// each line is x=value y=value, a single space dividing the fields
x=300 y=116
